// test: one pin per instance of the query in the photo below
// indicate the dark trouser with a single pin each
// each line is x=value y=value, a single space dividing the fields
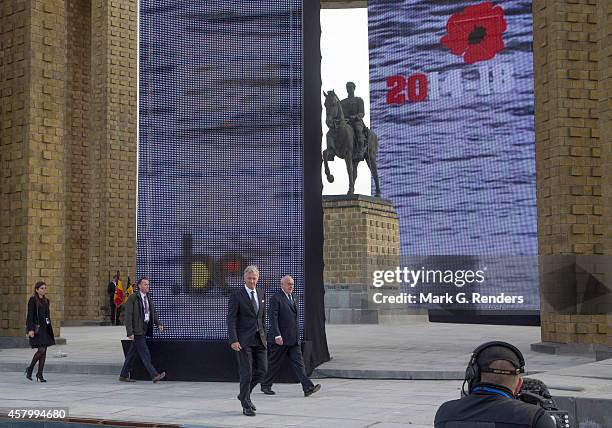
x=276 y=355
x=112 y=310
x=117 y=314
x=140 y=349
x=252 y=366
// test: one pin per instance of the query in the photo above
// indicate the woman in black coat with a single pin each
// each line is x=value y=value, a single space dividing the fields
x=39 y=329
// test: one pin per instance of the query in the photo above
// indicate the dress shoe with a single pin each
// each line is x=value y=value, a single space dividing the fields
x=40 y=378
x=247 y=411
x=247 y=403
x=28 y=373
x=268 y=391
x=312 y=390
x=159 y=377
x=126 y=379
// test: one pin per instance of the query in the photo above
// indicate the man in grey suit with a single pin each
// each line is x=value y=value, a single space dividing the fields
x=284 y=339
x=140 y=315
x=247 y=335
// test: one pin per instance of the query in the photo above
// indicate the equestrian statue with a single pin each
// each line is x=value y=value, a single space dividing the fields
x=348 y=137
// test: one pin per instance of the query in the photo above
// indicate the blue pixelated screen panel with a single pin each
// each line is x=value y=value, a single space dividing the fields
x=452 y=103
x=220 y=182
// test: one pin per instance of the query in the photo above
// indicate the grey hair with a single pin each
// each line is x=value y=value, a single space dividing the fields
x=251 y=269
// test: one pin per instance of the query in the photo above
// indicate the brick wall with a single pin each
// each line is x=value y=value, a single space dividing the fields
x=112 y=231
x=358 y=231
x=14 y=105
x=77 y=292
x=68 y=153
x=47 y=149
x=571 y=157
x=605 y=115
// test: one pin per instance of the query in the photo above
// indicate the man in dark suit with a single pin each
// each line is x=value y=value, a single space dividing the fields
x=110 y=290
x=247 y=334
x=140 y=315
x=284 y=339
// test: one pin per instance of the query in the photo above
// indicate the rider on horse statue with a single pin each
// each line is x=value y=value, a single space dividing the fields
x=354 y=111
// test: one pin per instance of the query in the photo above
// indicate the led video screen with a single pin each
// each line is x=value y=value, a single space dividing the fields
x=452 y=104
x=220 y=183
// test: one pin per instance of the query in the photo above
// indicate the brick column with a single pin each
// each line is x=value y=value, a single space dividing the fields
x=68 y=153
x=361 y=232
x=570 y=160
x=604 y=18
x=14 y=137
x=35 y=152
x=112 y=160
x=79 y=292
x=47 y=151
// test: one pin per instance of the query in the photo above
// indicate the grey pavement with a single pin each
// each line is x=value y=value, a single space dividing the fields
x=365 y=384
x=340 y=403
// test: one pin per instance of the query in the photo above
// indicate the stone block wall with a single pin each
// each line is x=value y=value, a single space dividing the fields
x=572 y=119
x=361 y=234
x=68 y=152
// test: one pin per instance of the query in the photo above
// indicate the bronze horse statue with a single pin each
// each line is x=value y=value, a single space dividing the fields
x=341 y=142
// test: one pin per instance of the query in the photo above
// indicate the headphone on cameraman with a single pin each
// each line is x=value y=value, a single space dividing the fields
x=473 y=370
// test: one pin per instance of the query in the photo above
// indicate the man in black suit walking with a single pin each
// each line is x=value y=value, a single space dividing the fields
x=247 y=334
x=284 y=338
x=140 y=315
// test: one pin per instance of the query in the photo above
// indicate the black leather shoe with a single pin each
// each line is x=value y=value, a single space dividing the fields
x=312 y=390
x=247 y=404
x=28 y=373
x=40 y=378
x=268 y=391
x=247 y=411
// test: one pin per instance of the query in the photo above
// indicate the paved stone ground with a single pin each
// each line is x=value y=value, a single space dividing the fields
x=341 y=403
x=435 y=351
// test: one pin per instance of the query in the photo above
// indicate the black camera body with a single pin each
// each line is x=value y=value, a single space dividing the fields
x=535 y=392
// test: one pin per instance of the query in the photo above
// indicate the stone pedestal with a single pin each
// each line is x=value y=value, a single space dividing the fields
x=360 y=231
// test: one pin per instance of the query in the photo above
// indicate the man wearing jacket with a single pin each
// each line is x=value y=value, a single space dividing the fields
x=494 y=382
x=140 y=315
x=284 y=339
x=247 y=335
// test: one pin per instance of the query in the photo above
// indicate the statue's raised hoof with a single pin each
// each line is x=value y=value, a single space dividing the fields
x=330 y=178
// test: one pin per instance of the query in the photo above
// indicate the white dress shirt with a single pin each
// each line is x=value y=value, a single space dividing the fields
x=146 y=313
x=249 y=291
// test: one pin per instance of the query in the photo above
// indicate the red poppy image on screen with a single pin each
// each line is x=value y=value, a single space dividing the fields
x=476 y=33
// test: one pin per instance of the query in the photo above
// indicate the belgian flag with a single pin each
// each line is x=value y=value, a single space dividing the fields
x=119 y=294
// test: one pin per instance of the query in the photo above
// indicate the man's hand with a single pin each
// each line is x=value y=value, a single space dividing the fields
x=161 y=328
x=131 y=337
x=31 y=333
x=236 y=346
x=278 y=340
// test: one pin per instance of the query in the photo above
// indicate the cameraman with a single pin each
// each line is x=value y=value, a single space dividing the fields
x=493 y=378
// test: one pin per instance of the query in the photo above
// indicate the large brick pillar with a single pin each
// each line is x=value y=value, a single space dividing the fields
x=604 y=19
x=112 y=159
x=33 y=193
x=14 y=138
x=572 y=151
x=68 y=153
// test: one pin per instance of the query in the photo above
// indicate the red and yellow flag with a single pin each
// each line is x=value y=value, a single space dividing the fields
x=119 y=295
